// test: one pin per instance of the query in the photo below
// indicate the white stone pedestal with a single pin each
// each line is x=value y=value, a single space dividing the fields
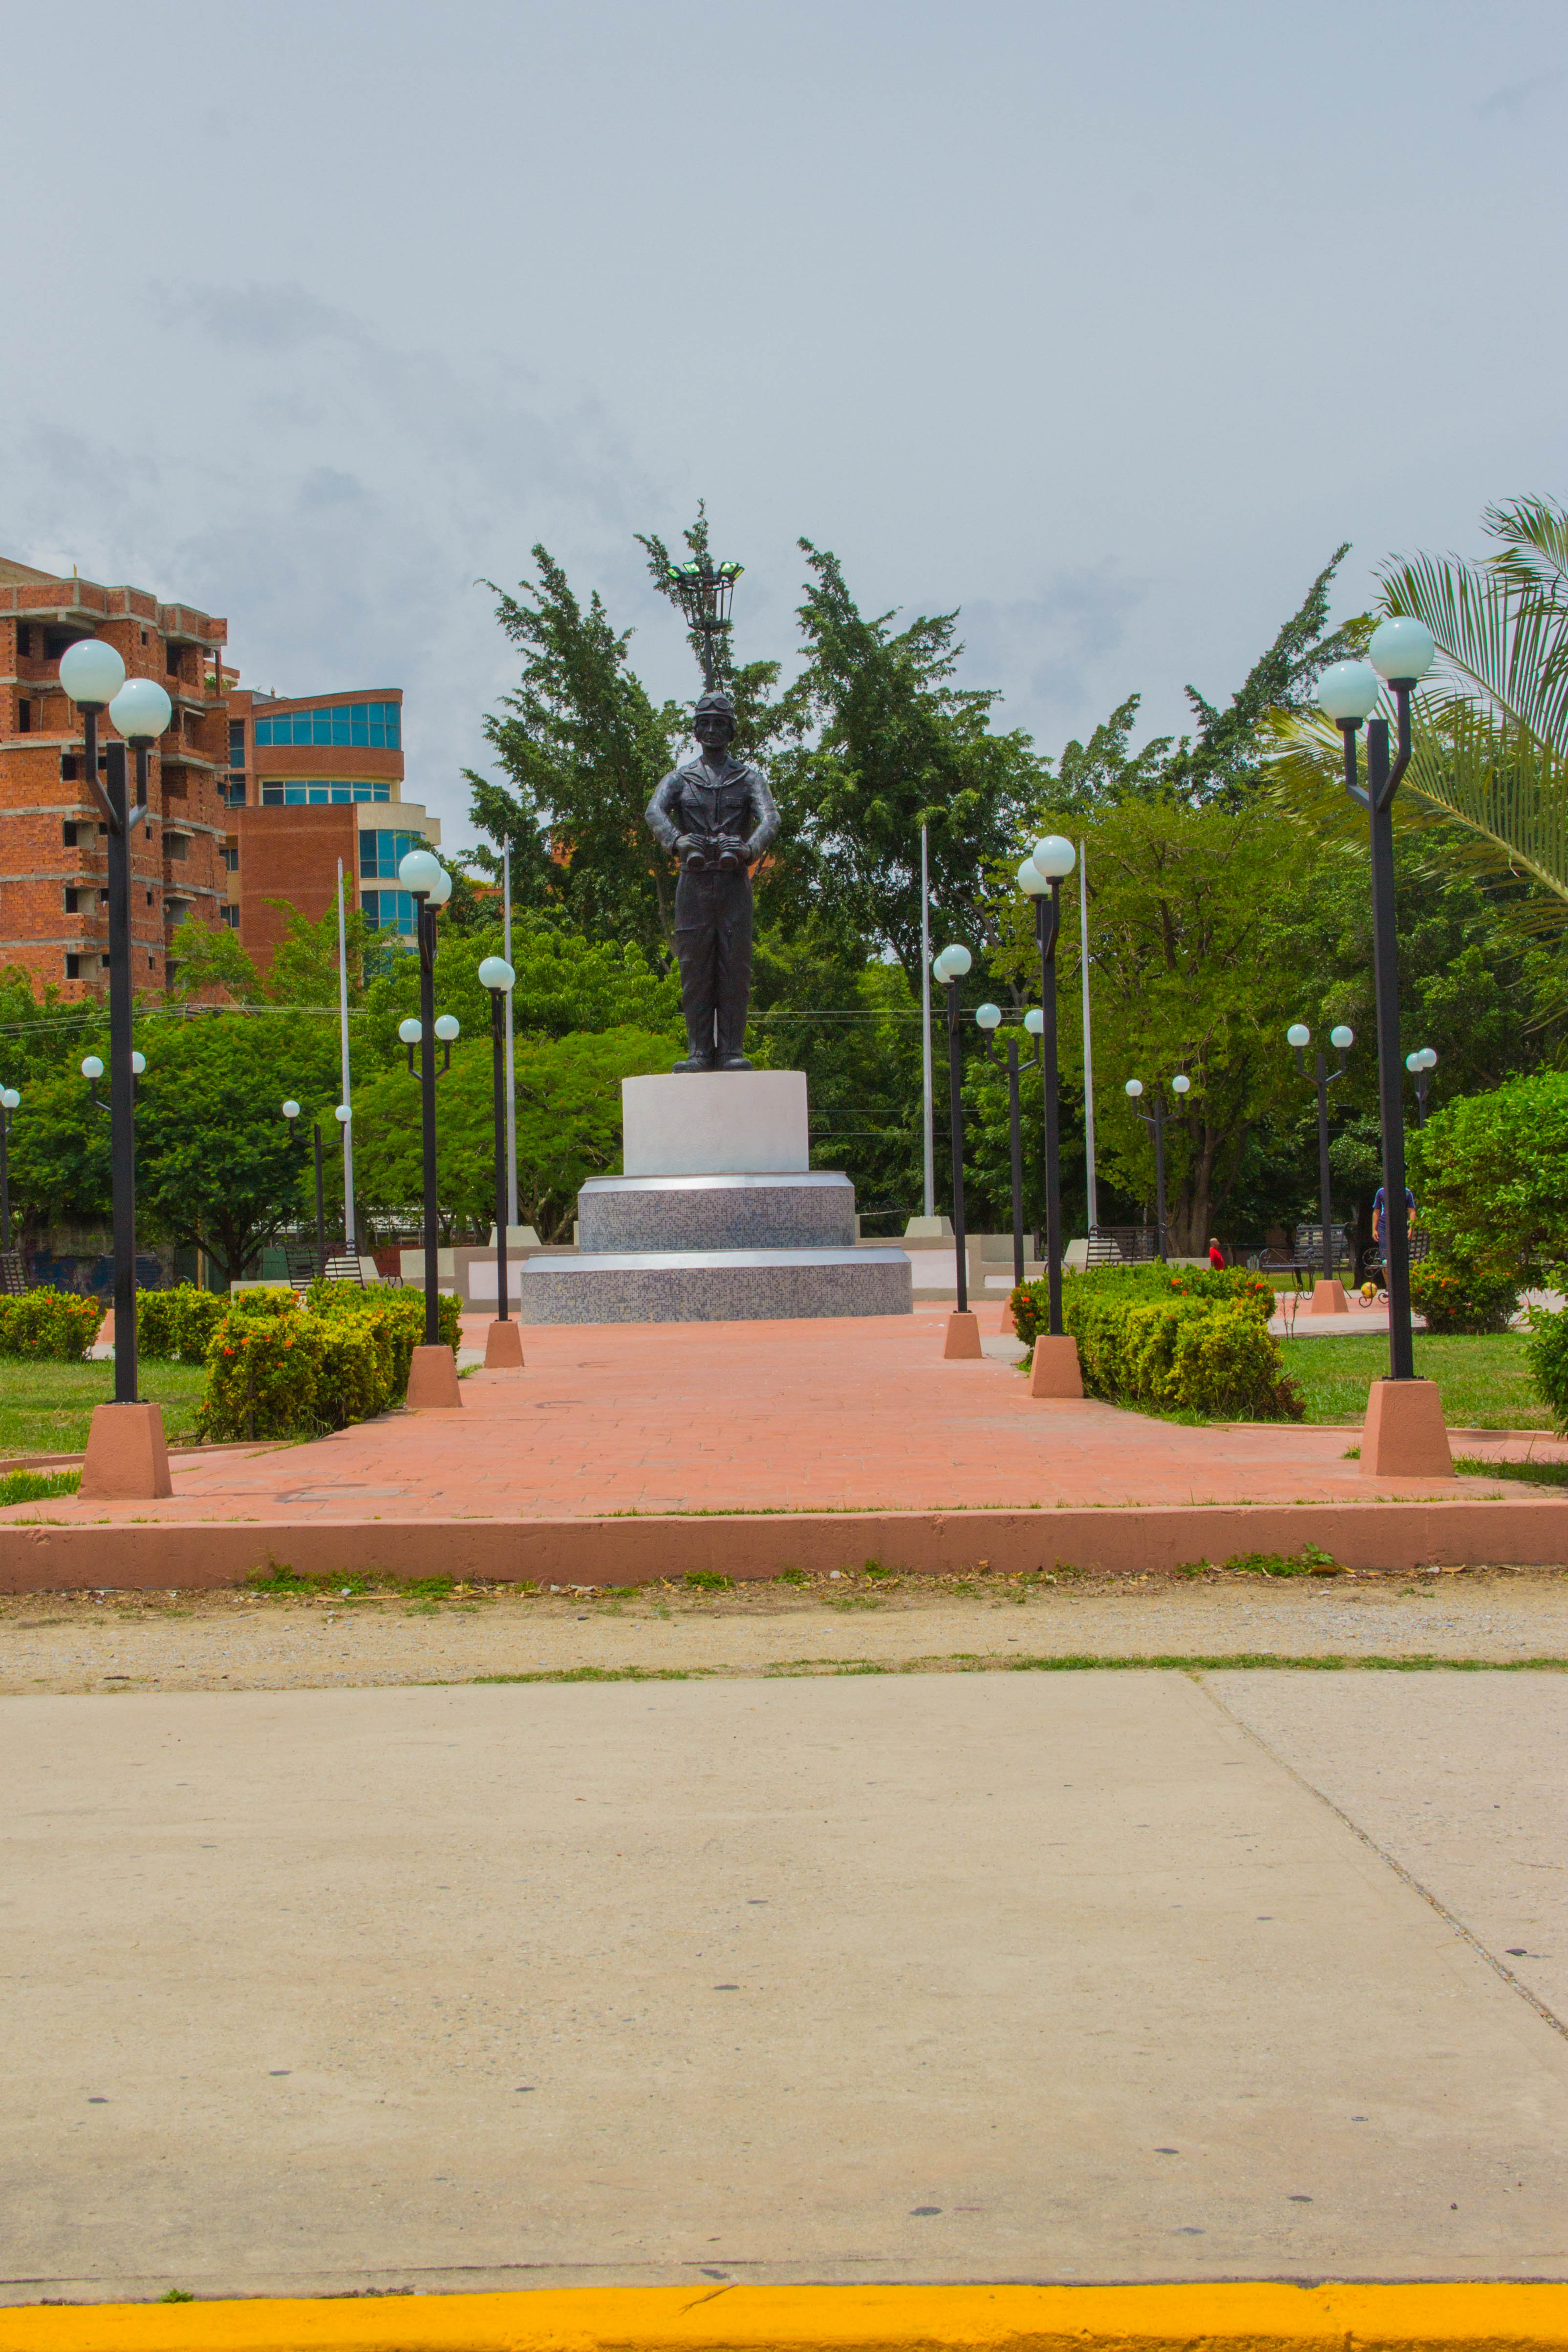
x=716 y=1123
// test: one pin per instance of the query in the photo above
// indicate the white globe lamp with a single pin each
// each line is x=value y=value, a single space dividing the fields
x=1055 y=856
x=1348 y=692
x=92 y=672
x=1402 y=650
x=142 y=711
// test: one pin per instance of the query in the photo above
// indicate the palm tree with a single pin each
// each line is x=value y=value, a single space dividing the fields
x=1491 y=723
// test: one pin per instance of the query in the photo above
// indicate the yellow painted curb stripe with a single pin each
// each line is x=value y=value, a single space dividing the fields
x=1247 y=2317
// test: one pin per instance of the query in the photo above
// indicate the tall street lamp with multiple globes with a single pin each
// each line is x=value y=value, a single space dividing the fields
x=93 y=677
x=343 y=1114
x=1400 y=654
x=1299 y=1037
x=503 y=1341
x=432 y=1376
x=1154 y=1119
x=1421 y=1065
x=1405 y=1436
x=950 y=967
x=988 y=1020
x=1040 y=878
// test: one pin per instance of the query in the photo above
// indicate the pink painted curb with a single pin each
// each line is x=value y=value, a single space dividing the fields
x=36 y=1557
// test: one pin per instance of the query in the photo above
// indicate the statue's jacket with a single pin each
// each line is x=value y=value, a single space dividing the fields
x=737 y=804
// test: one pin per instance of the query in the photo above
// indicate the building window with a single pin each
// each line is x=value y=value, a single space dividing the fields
x=319 y=793
x=373 y=726
x=381 y=854
x=73 y=898
x=232 y=794
x=24 y=641
x=67 y=767
x=73 y=967
x=105 y=961
x=231 y=917
x=177 y=845
x=236 y=743
x=69 y=830
x=388 y=911
x=24 y=718
x=103 y=898
x=231 y=857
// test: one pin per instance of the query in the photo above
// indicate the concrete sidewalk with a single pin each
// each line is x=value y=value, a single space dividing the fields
x=956 y=1978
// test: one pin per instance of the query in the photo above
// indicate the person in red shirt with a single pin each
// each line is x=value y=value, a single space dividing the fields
x=1216 y=1256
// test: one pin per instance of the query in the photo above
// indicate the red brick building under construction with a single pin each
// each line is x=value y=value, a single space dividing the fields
x=252 y=799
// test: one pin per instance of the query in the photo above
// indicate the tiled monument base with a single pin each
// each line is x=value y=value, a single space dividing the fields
x=746 y=1232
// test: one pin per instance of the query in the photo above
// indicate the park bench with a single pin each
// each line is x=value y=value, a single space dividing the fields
x=1121 y=1244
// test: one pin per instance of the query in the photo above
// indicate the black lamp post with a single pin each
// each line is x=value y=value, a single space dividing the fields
x=343 y=1114
x=10 y=1100
x=423 y=873
x=93 y=676
x=704 y=591
x=950 y=967
x=1041 y=877
x=1300 y=1037
x=1156 y=1120
x=988 y=1020
x=1402 y=652
x=497 y=976
x=1421 y=1066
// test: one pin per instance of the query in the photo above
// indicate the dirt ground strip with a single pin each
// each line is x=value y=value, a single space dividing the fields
x=338 y=1637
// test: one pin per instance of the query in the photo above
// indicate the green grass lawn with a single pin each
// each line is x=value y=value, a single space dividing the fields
x=1483 y=1382
x=46 y=1408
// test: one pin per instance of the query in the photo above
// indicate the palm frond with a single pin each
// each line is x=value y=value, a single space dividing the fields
x=1493 y=779
x=1534 y=532
x=1497 y=639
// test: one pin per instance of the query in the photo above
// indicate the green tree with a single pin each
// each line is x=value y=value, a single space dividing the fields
x=882 y=741
x=217 y=1166
x=1492 y=1172
x=203 y=956
x=582 y=747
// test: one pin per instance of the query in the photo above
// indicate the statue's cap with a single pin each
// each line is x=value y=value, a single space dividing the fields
x=719 y=703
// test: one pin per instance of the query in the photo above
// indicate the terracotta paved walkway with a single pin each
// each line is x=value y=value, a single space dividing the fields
x=827 y=1416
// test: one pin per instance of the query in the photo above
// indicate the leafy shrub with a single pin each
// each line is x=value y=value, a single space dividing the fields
x=1456 y=1295
x=278 y=1368
x=1546 y=1355
x=58 y=1325
x=1195 y=1340
x=1490 y=1172
x=178 y=1323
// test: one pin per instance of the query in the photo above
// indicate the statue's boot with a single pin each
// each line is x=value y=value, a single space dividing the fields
x=735 y=1061
x=696 y=1062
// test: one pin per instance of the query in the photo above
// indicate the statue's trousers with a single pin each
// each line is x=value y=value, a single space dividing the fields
x=714 y=942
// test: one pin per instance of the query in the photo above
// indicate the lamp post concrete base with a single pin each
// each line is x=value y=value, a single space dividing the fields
x=503 y=1347
x=1403 y=1436
x=1328 y=1299
x=127 y=1459
x=963 y=1336
x=433 y=1380
x=1007 y=1324
x=1056 y=1372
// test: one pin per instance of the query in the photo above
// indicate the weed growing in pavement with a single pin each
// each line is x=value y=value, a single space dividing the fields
x=36 y=1486
x=705 y=1579
x=1308 y=1561
x=792 y=1576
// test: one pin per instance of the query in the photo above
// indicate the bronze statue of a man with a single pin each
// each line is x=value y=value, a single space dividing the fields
x=718 y=816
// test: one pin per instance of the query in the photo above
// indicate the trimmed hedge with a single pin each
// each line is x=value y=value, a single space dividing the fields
x=279 y=1367
x=57 y=1325
x=1194 y=1341
x=178 y=1324
x=1456 y=1296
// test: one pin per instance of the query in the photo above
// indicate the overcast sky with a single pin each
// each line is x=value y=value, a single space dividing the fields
x=1105 y=323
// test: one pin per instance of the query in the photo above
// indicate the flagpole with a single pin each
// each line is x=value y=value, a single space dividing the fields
x=510 y=1073
x=1087 y=1046
x=343 y=1049
x=925 y=1032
